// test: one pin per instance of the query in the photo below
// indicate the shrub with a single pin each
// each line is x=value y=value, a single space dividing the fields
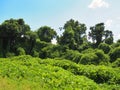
x=50 y=51
x=35 y=53
x=105 y=47
x=116 y=63
x=10 y=54
x=100 y=74
x=102 y=58
x=95 y=57
x=20 y=51
x=72 y=55
x=43 y=75
x=88 y=58
x=114 y=54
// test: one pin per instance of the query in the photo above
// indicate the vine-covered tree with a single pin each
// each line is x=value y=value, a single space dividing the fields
x=96 y=33
x=73 y=35
x=108 y=37
x=10 y=31
x=46 y=33
x=99 y=34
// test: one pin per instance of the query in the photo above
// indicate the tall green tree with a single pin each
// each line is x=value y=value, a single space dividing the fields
x=99 y=34
x=74 y=34
x=108 y=37
x=46 y=33
x=10 y=30
x=68 y=38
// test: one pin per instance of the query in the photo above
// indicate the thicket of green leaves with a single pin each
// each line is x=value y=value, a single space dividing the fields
x=57 y=74
x=16 y=38
x=100 y=74
x=75 y=61
x=44 y=75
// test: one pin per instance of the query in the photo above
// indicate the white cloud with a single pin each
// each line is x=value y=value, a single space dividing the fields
x=54 y=41
x=108 y=23
x=98 y=4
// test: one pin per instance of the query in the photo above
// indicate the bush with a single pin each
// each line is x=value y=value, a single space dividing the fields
x=50 y=51
x=88 y=58
x=35 y=53
x=116 y=63
x=102 y=58
x=114 y=54
x=100 y=74
x=20 y=51
x=95 y=57
x=43 y=75
x=72 y=55
x=105 y=47
x=9 y=54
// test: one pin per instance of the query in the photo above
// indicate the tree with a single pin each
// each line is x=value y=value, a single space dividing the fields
x=46 y=34
x=31 y=41
x=108 y=37
x=99 y=34
x=68 y=38
x=96 y=33
x=10 y=31
x=73 y=35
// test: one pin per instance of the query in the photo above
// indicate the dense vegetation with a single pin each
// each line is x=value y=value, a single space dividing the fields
x=28 y=59
x=25 y=72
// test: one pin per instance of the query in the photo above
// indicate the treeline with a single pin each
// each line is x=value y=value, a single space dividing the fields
x=16 y=38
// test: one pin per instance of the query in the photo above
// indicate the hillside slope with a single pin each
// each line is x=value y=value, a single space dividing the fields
x=28 y=73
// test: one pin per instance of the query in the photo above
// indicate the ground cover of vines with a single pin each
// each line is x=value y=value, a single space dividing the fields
x=28 y=73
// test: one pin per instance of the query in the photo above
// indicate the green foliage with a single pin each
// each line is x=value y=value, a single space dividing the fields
x=116 y=63
x=109 y=40
x=50 y=51
x=9 y=84
x=72 y=55
x=11 y=32
x=102 y=58
x=114 y=54
x=95 y=57
x=26 y=68
x=73 y=35
x=90 y=58
x=68 y=38
x=108 y=37
x=105 y=47
x=98 y=32
x=109 y=87
x=46 y=34
x=10 y=54
x=100 y=74
x=20 y=51
x=40 y=44
x=35 y=54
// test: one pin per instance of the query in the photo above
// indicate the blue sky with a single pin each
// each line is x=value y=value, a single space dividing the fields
x=55 y=13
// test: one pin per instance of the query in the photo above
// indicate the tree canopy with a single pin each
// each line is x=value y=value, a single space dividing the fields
x=16 y=38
